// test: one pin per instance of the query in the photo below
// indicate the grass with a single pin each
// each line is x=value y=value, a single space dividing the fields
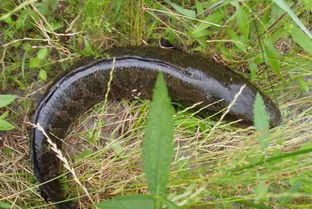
x=225 y=168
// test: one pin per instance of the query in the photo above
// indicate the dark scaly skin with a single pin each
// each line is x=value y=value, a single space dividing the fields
x=190 y=79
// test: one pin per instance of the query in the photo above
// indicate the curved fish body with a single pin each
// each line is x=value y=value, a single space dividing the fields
x=190 y=79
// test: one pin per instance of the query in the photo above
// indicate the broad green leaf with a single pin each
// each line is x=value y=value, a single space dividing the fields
x=242 y=21
x=199 y=34
x=261 y=121
x=158 y=140
x=9 y=21
x=199 y=7
x=43 y=75
x=216 y=17
x=6 y=99
x=128 y=202
x=5 y=125
x=202 y=44
x=282 y=4
x=181 y=10
x=4 y=205
x=20 y=22
x=301 y=39
x=272 y=56
x=42 y=53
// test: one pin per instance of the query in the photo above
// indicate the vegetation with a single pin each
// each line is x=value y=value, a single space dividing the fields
x=157 y=154
x=5 y=100
x=215 y=164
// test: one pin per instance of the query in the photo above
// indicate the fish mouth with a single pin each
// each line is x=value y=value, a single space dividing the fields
x=243 y=110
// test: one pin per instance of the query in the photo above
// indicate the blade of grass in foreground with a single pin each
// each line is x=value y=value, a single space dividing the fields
x=158 y=140
x=128 y=202
x=243 y=202
x=282 y=4
x=273 y=159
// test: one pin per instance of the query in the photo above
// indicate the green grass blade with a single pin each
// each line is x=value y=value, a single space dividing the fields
x=253 y=205
x=261 y=121
x=282 y=4
x=19 y=7
x=242 y=21
x=274 y=159
x=272 y=56
x=158 y=140
x=301 y=39
x=128 y=202
x=302 y=84
x=242 y=202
